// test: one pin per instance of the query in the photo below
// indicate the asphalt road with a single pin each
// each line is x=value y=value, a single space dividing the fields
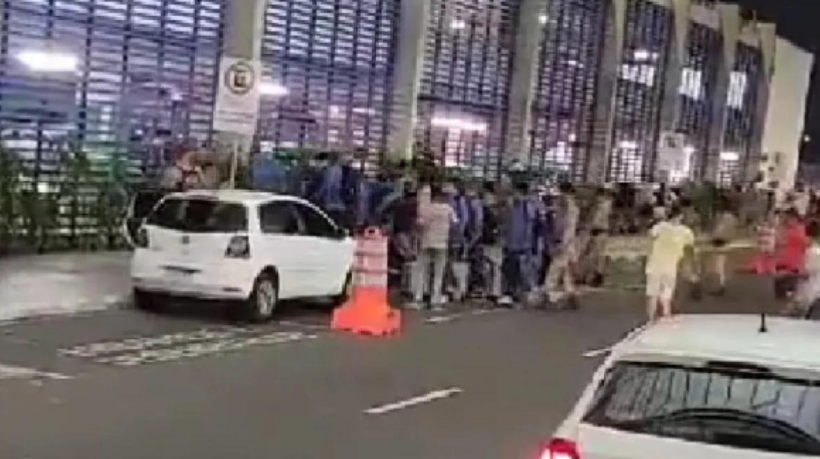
x=123 y=384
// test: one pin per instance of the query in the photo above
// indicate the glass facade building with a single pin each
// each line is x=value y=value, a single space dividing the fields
x=106 y=77
x=639 y=91
x=328 y=67
x=568 y=70
x=465 y=81
x=134 y=77
x=697 y=90
x=742 y=106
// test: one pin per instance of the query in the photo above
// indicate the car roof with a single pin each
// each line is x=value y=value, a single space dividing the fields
x=788 y=343
x=247 y=197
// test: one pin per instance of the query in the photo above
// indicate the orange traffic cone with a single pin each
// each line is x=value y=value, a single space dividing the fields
x=368 y=310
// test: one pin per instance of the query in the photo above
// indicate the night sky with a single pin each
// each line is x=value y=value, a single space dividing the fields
x=797 y=21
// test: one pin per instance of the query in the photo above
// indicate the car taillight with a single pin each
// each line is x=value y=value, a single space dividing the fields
x=239 y=247
x=141 y=238
x=559 y=448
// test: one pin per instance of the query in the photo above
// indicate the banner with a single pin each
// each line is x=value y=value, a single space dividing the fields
x=237 y=97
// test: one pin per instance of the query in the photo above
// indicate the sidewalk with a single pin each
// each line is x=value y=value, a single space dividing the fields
x=62 y=283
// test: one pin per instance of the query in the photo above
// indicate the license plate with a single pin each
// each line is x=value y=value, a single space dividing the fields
x=179 y=273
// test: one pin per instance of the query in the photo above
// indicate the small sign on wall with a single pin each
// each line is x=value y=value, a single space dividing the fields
x=237 y=98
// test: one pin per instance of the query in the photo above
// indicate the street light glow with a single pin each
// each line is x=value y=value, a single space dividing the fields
x=272 y=89
x=729 y=155
x=459 y=124
x=458 y=24
x=44 y=61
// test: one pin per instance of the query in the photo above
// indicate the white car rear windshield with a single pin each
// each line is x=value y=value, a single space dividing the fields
x=721 y=403
x=200 y=216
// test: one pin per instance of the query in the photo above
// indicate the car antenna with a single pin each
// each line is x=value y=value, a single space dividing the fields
x=763 y=327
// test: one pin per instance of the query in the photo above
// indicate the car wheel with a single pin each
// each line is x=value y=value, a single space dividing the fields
x=146 y=301
x=264 y=299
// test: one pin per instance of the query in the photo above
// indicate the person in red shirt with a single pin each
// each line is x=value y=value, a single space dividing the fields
x=790 y=254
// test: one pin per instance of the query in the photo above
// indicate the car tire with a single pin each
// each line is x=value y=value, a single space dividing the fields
x=146 y=301
x=264 y=300
x=347 y=291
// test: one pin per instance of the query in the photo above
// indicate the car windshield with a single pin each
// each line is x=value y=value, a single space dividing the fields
x=200 y=216
x=716 y=404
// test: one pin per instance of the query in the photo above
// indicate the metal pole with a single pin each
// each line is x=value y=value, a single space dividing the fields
x=234 y=163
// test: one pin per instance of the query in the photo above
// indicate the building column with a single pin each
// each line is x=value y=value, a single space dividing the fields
x=523 y=81
x=410 y=51
x=768 y=41
x=730 y=25
x=676 y=60
x=604 y=116
x=244 y=30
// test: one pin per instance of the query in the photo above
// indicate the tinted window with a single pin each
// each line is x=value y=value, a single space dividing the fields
x=278 y=218
x=723 y=405
x=200 y=216
x=315 y=223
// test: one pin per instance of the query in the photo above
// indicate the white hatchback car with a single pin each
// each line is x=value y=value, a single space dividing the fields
x=701 y=387
x=255 y=247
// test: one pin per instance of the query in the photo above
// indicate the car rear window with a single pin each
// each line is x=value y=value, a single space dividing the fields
x=719 y=403
x=200 y=216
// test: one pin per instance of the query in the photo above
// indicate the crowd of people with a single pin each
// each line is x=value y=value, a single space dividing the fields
x=517 y=242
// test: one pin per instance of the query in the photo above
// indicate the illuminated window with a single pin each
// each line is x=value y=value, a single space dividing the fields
x=738 y=84
x=704 y=53
x=109 y=77
x=466 y=78
x=639 y=92
x=328 y=66
x=569 y=65
x=742 y=105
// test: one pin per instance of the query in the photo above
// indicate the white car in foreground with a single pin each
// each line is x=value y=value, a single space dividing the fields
x=701 y=387
x=254 y=247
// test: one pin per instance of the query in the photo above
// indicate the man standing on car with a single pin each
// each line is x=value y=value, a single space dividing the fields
x=671 y=240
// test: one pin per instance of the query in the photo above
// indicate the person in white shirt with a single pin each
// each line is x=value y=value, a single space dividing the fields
x=435 y=222
x=806 y=300
x=801 y=200
x=671 y=240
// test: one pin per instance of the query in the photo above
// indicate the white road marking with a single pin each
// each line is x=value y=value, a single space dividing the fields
x=426 y=398
x=442 y=319
x=606 y=350
x=15 y=372
x=291 y=323
x=181 y=346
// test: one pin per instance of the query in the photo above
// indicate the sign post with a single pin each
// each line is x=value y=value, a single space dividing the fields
x=236 y=110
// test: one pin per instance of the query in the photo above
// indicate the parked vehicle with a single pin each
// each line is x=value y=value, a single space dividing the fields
x=708 y=387
x=255 y=248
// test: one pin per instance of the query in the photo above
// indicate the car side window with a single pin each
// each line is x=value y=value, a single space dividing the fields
x=315 y=223
x=278 y=218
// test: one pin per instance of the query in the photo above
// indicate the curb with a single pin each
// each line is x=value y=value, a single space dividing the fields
x=109 y=302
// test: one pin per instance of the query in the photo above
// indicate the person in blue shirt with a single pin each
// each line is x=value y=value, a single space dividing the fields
x=334 y=194
x=518 y=242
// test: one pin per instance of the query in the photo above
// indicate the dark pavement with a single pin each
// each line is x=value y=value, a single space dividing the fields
x=123 y=384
